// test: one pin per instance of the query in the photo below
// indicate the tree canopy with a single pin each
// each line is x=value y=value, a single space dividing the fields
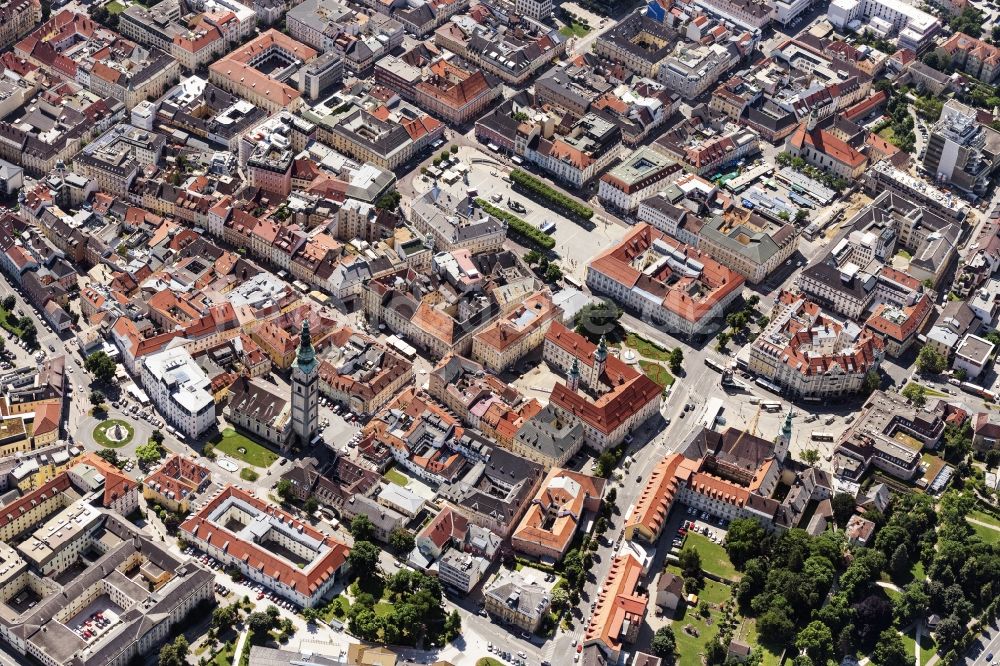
x=363 y=559
x=664 y=643
x=101 y=366
x=362 y=528
x=930 y=361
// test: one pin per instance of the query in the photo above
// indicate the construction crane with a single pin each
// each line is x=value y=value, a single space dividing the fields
x=752 y=429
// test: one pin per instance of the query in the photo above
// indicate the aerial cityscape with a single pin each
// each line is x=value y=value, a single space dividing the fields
x=499 y=332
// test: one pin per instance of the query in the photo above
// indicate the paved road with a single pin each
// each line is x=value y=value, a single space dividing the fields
x=984 y=648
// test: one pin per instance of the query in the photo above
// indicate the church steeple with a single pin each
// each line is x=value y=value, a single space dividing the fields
x=600 y=357
x=305 y=358
x=574 y=376
x=305 y=389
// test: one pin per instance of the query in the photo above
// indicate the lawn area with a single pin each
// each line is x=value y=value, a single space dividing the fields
x=383 y=608
x=13 y=328
x=917 y=571
x=488 y=661
x=909 y=441
x=338 y=602
x=101 y=433
x=887 y=134
x=224 y=657
x=927 y=646
x=575 y=29
x=715 y=592
x=714 y=559
x=253 y=453
x=984 y=517
x=248 y=474
x=902 y=254
x=395 y=476
x=929 y=392
x=934 y=465
x=115 y=7
x=986 y=534
x=689 y=646
x=657 y=373
x=748 y=631
x=647 y=348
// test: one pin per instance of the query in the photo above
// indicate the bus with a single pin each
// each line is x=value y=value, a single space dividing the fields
x=770 y=386
x=714 y=365
x=771 y=406
x=713 y=409
x=822 y=437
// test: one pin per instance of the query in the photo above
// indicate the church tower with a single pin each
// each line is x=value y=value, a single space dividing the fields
x=574 y=377
x=784 y=439
x=600 y=360
x=305 y=390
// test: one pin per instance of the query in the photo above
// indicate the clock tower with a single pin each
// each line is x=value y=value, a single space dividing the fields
x=305 y=390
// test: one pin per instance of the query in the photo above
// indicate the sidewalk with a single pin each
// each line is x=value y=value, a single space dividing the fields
x=238 y=653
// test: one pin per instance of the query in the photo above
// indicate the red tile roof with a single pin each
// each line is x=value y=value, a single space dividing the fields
x=446 y=526
x=304 y=581
x=236 y=68
x=630 y=390
x=827 y=144
x=716 y=281
x=12 y=511
x=619 y=601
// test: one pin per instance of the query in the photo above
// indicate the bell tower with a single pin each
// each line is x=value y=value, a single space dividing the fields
x=600 y=359
x=305 y=389
x=574 y=377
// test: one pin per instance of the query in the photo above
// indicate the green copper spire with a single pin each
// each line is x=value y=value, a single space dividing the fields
x=575 y=370
x=602 y=350
x=786 y=430
x=305 y=359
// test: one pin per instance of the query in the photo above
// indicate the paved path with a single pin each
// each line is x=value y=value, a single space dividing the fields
x=983 y=524
x=240 y=646
x=918 y=635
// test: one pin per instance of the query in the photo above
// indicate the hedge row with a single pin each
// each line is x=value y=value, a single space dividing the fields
x=519 y=226
x=557 y=199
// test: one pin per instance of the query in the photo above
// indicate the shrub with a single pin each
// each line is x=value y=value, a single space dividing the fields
x=520 y=227
x=557 y=199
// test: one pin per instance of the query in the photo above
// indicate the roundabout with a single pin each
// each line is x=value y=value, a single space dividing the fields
x=113 y=433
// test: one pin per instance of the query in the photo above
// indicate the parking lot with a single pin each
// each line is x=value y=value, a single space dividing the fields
x=141 y=412
x=96 y=619
x=255 y=591
x=337 y=425
x=699 y=522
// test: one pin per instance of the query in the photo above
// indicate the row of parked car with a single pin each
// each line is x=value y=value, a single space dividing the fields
x=516 y=659
x=261 y=591
x=338 y=410
x=139 y=412
x=92 y=626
